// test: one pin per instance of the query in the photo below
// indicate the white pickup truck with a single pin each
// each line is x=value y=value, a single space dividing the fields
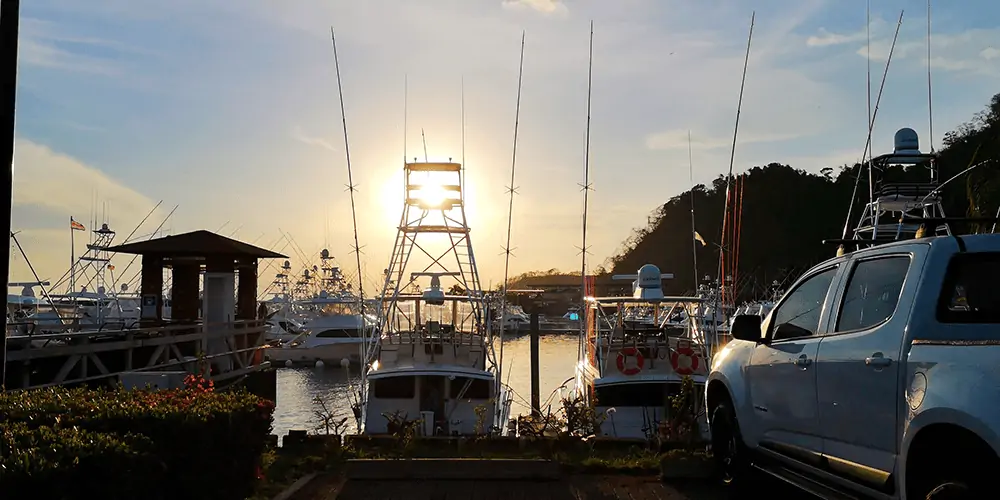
x=877 y=375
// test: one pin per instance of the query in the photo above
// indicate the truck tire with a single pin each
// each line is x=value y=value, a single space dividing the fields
x=731 y=455
x=951 y=490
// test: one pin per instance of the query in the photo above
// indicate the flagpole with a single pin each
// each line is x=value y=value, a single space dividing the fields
x=72 y=257
x=694 y=237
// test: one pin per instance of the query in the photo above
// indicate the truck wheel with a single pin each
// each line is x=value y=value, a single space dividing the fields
x=727 y=446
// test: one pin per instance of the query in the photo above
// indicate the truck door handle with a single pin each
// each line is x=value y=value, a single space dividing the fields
x=803 y=361
x=878 y=360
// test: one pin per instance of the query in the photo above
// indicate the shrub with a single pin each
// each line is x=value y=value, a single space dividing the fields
x=209 y=444
x=66 y=462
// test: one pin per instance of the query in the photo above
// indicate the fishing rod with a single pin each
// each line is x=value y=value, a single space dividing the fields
x=511 y=191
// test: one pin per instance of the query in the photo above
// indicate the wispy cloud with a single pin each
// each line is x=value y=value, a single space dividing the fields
x=300 y=136
x=45 y=178
x=543 y=6
x=826 y=38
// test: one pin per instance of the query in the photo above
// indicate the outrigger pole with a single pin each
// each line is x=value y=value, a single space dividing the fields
x=587 y=187
x=511 y=191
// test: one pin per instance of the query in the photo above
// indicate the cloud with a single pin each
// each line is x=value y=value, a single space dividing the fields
x=300 y=136
x=60 y=183
x=543 y=6
x=959 y=52
x=826 y=38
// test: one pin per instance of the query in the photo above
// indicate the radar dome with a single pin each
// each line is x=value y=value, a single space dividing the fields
x=124 y=287
x=28 y=291
x=325 y=254
x=100 y=290
x=434 y=295
x=906 y=141
x=649 y=276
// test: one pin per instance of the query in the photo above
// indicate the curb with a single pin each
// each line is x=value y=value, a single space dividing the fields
x=295 y=487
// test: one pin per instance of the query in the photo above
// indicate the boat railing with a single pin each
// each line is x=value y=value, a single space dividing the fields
x=218 y=350
x=425 y=336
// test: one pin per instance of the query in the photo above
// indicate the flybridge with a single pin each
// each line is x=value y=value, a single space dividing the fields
x=646 y=284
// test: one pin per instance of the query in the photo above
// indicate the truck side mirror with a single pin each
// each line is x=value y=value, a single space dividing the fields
x=746 y=327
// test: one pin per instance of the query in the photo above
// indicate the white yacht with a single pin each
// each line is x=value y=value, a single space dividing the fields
x=628 y=370
x=336 y=335
x=434 y=362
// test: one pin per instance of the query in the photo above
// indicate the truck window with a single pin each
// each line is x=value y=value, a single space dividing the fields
x=798 y=314
x=872 y=292
x=970 y=293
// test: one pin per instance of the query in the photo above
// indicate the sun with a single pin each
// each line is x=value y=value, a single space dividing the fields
x=432 y=194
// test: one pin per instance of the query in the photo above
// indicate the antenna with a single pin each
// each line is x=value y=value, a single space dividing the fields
x=405 y=92
x=868 y=57
x=511 y=191
x=350 y=179
x=930 y=106
x=424 y=139
x=586 y=177
x=461 y=178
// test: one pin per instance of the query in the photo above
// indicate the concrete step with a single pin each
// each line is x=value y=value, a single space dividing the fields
x=452 y=469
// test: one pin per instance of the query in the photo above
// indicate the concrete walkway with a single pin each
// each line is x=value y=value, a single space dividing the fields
x=490 y=480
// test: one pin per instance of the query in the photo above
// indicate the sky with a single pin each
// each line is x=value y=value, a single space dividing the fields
x=229 y=110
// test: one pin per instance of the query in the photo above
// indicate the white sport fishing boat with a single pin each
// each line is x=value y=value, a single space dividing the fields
x=628 y=370
x=434 y=363
x=336 y=335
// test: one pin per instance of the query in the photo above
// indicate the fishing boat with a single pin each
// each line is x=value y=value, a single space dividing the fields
x=628 y=370
x=434 y=364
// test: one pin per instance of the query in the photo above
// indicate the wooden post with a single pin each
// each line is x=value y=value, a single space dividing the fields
x=535 y=396
x=10 y=11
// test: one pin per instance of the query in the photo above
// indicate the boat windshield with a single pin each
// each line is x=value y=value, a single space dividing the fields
x=337 y=309
x=448 y=316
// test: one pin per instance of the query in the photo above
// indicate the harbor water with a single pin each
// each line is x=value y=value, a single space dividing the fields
x=336 y=386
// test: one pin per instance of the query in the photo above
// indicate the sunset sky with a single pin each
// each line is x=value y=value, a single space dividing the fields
x=229 y=109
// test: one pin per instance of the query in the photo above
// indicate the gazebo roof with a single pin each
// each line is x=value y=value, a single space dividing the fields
x=196 y=244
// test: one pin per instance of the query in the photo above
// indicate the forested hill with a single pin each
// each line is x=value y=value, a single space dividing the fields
x=787 y=213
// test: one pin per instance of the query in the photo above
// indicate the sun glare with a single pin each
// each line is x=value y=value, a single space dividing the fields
x=433 y=194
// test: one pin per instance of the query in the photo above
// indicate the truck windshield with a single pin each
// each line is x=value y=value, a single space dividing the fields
x=970 y=293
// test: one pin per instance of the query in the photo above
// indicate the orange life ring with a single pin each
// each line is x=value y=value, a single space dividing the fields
x=684 y=349
x=258 y=356
x=625 y=353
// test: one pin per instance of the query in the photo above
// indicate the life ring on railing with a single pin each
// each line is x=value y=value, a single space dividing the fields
x=684 y=351
x=624 y=354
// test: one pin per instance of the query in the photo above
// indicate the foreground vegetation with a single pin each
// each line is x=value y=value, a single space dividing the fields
x=194 y=443
x=78 y=443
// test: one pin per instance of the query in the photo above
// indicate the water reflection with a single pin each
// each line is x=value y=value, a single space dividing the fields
x=298 y=387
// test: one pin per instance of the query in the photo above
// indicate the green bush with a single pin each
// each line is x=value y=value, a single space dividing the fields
x=209 y=444
x=66 y=462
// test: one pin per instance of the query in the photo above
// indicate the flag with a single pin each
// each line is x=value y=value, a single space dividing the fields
x=699 y=239
x=76 y=226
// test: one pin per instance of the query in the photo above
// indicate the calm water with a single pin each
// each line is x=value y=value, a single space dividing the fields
x=297 y=387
